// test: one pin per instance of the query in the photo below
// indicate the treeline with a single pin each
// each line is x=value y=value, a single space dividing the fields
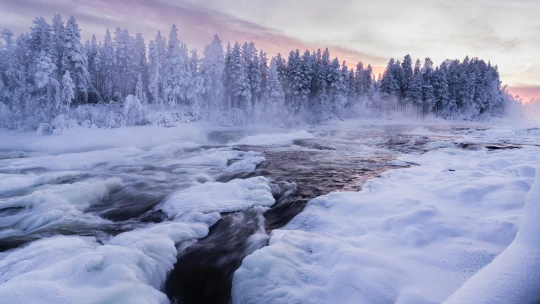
x=470 y=87
x=47 y=72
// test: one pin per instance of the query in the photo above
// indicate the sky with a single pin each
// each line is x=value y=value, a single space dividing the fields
x=505 y=32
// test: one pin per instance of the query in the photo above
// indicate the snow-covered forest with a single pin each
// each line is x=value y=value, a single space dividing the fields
x=50 y=79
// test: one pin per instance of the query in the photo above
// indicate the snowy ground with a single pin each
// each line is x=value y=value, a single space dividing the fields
x=415 y=235
x=69 y=232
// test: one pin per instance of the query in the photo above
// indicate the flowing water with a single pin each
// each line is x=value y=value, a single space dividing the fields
x=331 y=161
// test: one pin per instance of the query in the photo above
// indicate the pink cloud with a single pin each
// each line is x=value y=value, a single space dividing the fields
x=196 y=24
x=526 y=92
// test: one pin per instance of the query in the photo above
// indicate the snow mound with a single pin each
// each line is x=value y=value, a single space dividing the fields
x=513 y=276
x=129 y=268
x=412 y=236
x=235 y=195
x=278 y=139
x=245 y=165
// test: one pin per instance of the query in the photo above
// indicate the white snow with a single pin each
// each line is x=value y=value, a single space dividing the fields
x=514 y=275
x=129 y=268
x=235 y=195
x=415 y=235
x=280 y=139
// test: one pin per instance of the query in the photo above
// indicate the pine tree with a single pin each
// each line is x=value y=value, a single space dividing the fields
x=154 y=67
x=295 y=80
x=428 y=92
x=177 y=76
x=351 y=89
x=408 y=74
x=56 y=45
x=40 y=36
x=389 y=83
x=92 y=53
x=139 y=91
x=196 y=85
x=281 y=66
x=212 y=69
x=240 y=89
x=337 y=87
x=107 y=68
x=68 y=93
x=274 y=96
x=360 y=80
x=263 y=70
x=48 y=88
x=414 y=94
x=251 y=60
x=75 y=60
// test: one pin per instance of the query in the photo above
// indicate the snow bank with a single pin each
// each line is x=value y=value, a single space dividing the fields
x=235 y=195
x=514 y=275
x=280 y=139
x=412 y=236
x=129 y=268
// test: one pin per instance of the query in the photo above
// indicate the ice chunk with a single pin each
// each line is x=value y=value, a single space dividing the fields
x=274 y=139
x=235 y=195
x=130 y=268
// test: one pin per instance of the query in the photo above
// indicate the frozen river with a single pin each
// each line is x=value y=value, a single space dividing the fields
x=174 y=216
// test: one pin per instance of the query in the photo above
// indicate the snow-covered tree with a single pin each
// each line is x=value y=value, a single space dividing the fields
x=212 y=69
x=75 y=60
x=240 y=88
x=44 y=71
x=68 y=93
x=428 y=91
x=274 y=96
x=177 y=75
x=139 y=91
x=414 y=93
x=134 y=110
x=107 y=68
x=337 y=87
x=154 y=68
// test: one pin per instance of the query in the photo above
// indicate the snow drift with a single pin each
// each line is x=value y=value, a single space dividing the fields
x=514 y=276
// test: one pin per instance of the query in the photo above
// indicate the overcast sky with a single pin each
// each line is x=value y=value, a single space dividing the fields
x=506 y=32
